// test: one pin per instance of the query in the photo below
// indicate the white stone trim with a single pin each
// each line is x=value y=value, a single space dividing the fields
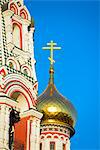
x=1 y=39
x=59 y=145
x=7 y=101
x=8 y=13
x=35 y=134
x=28 y=135
x=4 y=126
x=59 y=140
x=33 y=113
x=8 y=25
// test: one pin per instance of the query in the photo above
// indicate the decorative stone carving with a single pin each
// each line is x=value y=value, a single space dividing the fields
x=1 y=82
x=4 y=126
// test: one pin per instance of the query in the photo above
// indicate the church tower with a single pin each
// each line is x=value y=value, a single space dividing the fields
x=59 y=115
x=19 y=119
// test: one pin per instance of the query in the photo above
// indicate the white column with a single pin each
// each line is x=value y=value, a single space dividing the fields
x=46 y=144
x=31 y=49
x=59 y=145
x=8 y=25
x=4 y=127
x=28 y=135
x=25 y=38
x=35 y=134
x=1 y=39
x=38 y=134
x=33 y=128
x=2 y=117
x=7 y=119
x=31 y=44
x=43 y=144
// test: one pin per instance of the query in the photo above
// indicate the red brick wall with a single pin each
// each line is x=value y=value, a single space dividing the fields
x=20 y=134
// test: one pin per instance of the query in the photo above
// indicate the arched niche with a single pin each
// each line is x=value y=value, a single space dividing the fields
x=26 y=70
x=13 y=63
x=21 y=100
x=20 y=128
x=17 y=87
x=23 y=14
x=17 y=35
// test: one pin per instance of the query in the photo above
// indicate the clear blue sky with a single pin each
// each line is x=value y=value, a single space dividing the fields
x=74 y=25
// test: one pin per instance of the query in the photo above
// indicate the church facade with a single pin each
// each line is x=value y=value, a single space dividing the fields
x=28 y=122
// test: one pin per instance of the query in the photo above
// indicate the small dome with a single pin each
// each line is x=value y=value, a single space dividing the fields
x=56 y=109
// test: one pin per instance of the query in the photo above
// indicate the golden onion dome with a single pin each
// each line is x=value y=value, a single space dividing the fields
x=56 y=108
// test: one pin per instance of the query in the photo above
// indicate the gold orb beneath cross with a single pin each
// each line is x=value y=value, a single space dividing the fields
x=55 y=108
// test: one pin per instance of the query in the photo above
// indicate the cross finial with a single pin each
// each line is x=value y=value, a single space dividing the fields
x=51 y=46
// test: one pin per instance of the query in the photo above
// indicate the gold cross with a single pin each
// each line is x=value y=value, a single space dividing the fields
x=51 y=46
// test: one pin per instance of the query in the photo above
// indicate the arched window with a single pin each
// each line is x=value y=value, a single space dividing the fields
x=25 y=71
x=16 y=35
x=52 y=145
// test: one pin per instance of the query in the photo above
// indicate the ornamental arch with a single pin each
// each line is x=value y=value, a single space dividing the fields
x=13 y=7
x=16 y=89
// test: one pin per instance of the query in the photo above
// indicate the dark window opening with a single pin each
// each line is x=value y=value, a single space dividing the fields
x=11 y=65
x=40 y=146
x=25 y=72
x=52 y=145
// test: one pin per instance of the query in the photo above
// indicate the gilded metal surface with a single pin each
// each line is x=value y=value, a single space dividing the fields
x=51 y=46
x=56 y=108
